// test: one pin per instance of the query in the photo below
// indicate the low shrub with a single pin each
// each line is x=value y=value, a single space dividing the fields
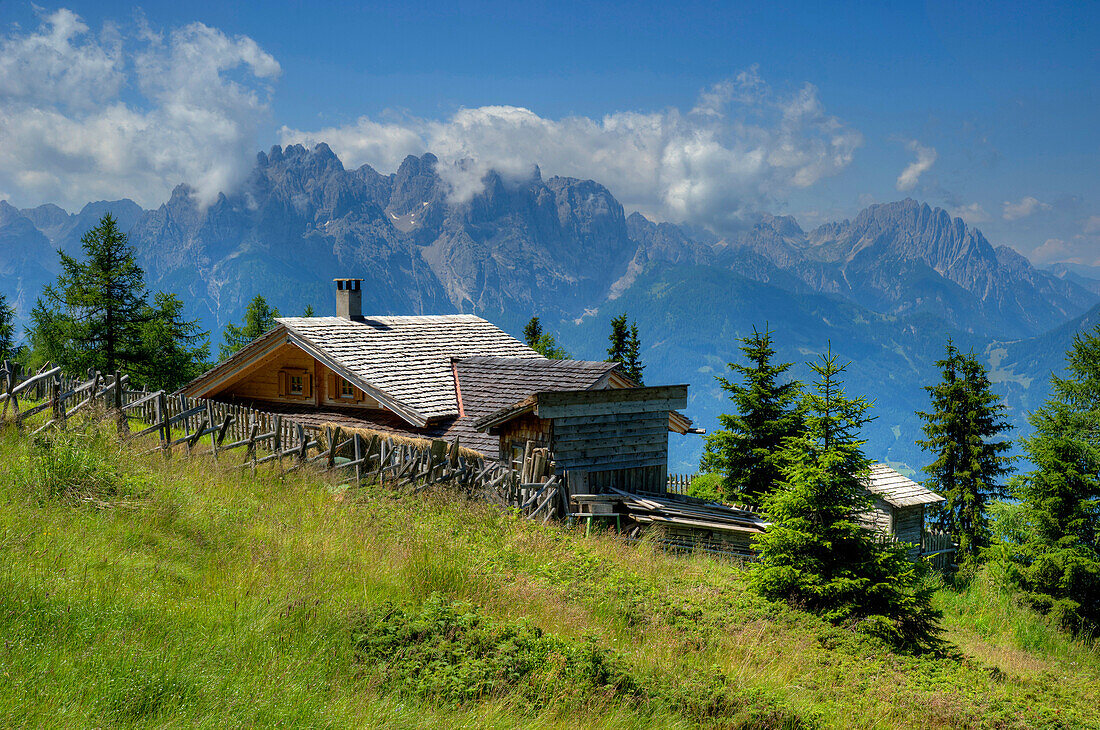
x=450 y=652
x=708 y=485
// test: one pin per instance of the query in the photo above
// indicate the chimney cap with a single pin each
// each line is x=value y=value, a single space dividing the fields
x=347 y=284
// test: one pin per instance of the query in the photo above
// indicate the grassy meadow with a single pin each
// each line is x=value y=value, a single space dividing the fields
x=139 y=591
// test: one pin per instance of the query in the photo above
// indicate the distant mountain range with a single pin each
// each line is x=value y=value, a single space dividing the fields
x=885 y=289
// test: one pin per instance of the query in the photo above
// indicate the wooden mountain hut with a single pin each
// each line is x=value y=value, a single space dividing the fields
x=899 y=506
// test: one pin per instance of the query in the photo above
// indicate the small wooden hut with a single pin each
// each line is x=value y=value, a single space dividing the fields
x=603 y=439
x=899 y=505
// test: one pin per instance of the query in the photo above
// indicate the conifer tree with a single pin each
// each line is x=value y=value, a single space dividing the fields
x=1055 y=557
x=960 y=431
x=625 y=347
x=747 y=450
x=548 y=347
x=816 y=554
x=182 y=349
x=616 y=350
x=97 y=314
x=7 y=329
x=258 y=319
x=308 y=311
x=632 y=365
x=532 y=332
x=92 y=316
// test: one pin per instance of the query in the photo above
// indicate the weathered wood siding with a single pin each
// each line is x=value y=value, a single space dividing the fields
x=647 y=479
x=909 y=524
x=697 y=537
x=517 y=432
x=612 y=438
x=613 y=441
x=880 y=517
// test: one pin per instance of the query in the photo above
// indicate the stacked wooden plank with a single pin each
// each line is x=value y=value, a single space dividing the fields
x=651 y=509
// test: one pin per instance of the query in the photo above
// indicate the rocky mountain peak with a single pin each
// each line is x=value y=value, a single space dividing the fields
x=414 y=184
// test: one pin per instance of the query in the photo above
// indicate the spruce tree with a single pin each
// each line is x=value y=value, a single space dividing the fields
x=632 y=365
x=960 y=431
x=181 y=349
x=616 y=350
x=624 y=346
x=747 y=449
x=308 y=311
x=816 y=554
x=7 y=329
x=258 y=319
x=532 y=332
x=1055 y=558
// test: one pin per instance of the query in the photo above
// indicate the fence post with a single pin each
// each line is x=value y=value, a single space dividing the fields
x=358 y=459
x=163 y=417
x=123 y=422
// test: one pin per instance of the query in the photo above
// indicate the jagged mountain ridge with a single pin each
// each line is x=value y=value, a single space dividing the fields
x=556 y=247
x=885 y=288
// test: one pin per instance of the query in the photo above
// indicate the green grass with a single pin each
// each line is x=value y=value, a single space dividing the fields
x=136 y=591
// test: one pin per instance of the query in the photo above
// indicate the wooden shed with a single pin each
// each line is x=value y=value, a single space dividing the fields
x=899 y=505
x=602 y=439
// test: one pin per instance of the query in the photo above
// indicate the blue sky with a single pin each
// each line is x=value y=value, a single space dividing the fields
x=815 y=109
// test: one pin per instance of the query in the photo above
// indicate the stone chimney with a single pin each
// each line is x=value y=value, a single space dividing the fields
x=349 y=299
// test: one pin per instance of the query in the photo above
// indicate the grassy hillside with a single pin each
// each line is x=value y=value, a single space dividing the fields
x=135 y=591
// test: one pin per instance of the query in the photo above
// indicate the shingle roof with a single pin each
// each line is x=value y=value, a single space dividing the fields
x=491 y=383
x=898 y=490
x=488 y=384
x=408 y=358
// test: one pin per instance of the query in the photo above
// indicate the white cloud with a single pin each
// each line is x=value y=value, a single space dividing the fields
x=67 y=135
x=741 y=147
x=971 y=213
x=1054 y=249
x=926 y=156
x=1092 y=225
x=1027 y=206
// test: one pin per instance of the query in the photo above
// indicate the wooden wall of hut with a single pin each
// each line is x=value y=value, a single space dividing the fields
x=612 y=438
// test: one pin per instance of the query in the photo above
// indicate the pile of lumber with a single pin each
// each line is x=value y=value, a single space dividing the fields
x=650 y=509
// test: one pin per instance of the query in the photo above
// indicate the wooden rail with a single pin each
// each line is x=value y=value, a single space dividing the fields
x=679 y=483
x=208 y=428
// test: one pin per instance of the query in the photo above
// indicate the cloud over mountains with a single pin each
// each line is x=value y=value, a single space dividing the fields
x=740 y=148
x=127 y=113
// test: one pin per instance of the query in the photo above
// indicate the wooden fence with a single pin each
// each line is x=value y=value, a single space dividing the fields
x=203 y=427
x=938 y=549
x=679 y=483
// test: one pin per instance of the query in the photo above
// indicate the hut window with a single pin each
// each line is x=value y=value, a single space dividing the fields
x=517 y=457
x=347 y=390
x=295 y=384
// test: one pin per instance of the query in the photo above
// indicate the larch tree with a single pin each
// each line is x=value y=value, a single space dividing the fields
x=92 y=316
x=542 y=341
x=1053 y=555
x=816 y=554
x=961 y=431
x=748 y=448
x=259 y=317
